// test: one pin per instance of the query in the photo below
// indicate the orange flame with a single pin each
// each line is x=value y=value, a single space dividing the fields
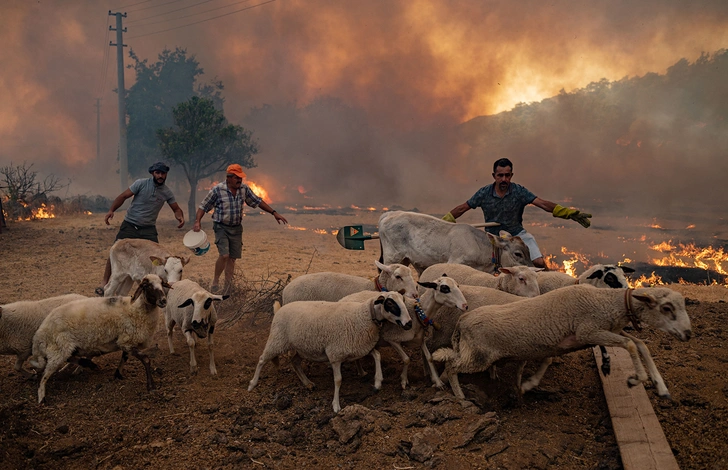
x=699 y=257
x=644 y=281
x=259 y=191
x=43 y=212
x=576 y=258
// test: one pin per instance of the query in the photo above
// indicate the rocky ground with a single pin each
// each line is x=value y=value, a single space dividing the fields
x=93 y=421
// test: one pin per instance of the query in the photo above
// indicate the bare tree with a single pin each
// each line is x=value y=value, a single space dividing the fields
x=22 y=188
x=20 y=183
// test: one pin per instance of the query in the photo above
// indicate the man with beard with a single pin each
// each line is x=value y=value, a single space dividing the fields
x=503 y=202
x=149 y=195
x=227 y=221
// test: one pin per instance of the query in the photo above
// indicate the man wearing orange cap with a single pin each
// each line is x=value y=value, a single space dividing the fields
x=227 y=220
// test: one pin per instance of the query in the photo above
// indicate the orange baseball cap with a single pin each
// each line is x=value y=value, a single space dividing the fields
x=236 y=170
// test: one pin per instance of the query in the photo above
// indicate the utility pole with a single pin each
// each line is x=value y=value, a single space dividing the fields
x=123 y=160
x=98 y=130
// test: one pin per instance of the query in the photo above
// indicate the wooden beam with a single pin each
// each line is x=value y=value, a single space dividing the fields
x=642 y=443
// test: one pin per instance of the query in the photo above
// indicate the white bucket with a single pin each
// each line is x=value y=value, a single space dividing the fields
x=196 y=242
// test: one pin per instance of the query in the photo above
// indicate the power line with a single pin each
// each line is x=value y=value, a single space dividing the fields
x=104 y=62
x=191 y=14
x=132 y=5
x=154 y=6
x=171 y=11
x=201 y=21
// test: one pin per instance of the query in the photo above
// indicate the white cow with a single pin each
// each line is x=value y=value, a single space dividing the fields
x=132 y=259
x=423 y=240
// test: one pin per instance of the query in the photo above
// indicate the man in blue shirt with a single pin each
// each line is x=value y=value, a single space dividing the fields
x=227 y=220
x=504 y=202
x=149 y=195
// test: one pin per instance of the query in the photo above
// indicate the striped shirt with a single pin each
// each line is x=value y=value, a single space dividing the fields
x=229 y=208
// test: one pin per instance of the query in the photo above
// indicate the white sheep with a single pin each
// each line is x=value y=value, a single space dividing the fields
x=19 y=322
x=518 y=280
x=599 y=275
x=444 y=291
x=560 y=322
x=192 y=308
x=333 y=332
x=131 y=259
x=331 y=287
x=447 y=317
x=95 y=326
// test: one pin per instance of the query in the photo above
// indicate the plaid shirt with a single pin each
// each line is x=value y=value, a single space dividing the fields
x=229 y=208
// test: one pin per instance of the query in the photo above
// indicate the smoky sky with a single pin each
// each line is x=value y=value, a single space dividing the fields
x=352 y=102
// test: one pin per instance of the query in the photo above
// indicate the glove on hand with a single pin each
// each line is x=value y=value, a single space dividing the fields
x=573 y=214
x=449 y=217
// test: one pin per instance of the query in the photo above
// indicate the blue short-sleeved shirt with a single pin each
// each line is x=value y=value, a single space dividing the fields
x=229 y=208
x=147 y=202
x=506 y=210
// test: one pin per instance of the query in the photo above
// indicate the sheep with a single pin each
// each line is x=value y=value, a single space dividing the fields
x=191 y=307
x=131 y=259
x=560 y=322
x=19 y=322
x=95 y=326
x=599 y=275
x=423 y=240
x=447 y=317
x=330 y=286
x=518 y=280
x=444 y=291
x=331 y=331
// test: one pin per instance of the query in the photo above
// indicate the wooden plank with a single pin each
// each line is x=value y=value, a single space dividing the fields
x=642 y=443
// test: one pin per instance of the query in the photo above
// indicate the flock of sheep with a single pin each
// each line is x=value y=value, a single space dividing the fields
x=463 y=317
x=73 y=329
x=519 y=315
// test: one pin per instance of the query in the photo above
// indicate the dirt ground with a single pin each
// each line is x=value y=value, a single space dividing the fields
x=91 y=420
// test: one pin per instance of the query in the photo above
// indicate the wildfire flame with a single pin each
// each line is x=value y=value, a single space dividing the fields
x=644 y=281
x=43 y=212
x=357 y=208
x=576 y=258
x=259 y=191
x=699 y=257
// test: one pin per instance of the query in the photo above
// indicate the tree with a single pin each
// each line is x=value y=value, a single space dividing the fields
x=159 y=87
x=23 y=190
x=203 y=143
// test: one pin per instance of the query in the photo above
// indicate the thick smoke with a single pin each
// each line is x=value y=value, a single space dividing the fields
x=360 y=102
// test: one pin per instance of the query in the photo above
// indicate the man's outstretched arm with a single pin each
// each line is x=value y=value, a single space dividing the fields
x=456 y=212
x=563 y=212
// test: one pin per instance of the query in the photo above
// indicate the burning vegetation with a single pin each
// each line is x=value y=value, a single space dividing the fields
x=684 y=263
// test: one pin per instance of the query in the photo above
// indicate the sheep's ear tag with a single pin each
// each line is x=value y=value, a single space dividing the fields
x=156 y=262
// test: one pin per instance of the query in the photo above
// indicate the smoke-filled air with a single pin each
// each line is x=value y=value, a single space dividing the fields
x=394 y=103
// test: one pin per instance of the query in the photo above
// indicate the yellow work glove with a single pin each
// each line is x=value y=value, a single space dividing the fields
x=449 y=217
x=573 y=214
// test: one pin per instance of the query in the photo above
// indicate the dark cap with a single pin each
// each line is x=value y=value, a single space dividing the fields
x=159 y=166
